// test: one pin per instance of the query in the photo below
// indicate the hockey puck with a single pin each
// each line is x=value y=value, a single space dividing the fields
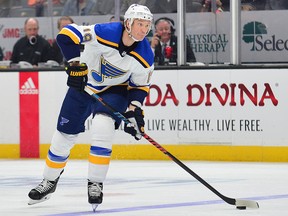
x=241 y=207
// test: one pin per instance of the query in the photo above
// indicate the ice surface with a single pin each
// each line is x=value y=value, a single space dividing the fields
x=149 y=188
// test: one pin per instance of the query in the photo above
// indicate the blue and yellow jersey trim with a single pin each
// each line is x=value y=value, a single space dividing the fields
x=69 y=39
x=139 y=59
x=106 y=42
x=143 y=53
x=109 y=34
x=72 y=33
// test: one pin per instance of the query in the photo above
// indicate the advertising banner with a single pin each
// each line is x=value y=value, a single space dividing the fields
x=224 y=106
x=229 y=107
x=193 y=107
x=29 y=114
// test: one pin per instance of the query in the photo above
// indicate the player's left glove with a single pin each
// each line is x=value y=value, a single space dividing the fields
x=77 y=76
x=136 y=125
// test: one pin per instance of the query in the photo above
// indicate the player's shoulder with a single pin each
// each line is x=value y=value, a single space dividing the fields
x=109 y=33
x=144 y=54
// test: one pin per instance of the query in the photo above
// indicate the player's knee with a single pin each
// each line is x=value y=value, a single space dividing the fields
x=102 y=130
x=62 y=143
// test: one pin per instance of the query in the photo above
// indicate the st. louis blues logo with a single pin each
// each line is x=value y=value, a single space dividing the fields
x=63 y=121
x=107 y=71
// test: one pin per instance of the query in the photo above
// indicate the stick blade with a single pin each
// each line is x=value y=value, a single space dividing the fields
x=246 y=203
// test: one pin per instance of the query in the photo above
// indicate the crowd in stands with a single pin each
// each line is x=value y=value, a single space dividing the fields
x=165 y=48
x=38 y=8
x=34 y=49
x=164 y=43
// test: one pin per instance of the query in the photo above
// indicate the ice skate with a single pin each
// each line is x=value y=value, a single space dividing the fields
x=43 y=191
x=95 y=194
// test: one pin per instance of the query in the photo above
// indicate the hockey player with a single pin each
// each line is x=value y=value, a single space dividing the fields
x=117 y=63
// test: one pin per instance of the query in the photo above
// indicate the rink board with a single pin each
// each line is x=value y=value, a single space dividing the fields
x=225 y=114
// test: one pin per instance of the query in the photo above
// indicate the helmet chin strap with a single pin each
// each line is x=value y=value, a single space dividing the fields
x=131 y=36
x=129 y=31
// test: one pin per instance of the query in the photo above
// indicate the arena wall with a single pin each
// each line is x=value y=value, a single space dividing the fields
x=225 y=114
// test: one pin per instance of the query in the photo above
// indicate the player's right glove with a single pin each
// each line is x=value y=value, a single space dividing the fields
x=77 y=76
x=136 y=125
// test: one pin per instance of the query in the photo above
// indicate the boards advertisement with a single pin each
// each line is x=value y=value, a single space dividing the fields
x=221 y=107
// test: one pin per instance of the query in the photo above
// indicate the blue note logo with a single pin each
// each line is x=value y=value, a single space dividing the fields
x=63 y=121
x=107 y=71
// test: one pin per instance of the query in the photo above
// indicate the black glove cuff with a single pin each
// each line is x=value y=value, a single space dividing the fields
x=129 y=114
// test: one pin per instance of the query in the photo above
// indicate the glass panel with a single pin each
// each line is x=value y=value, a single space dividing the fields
x=207 y=27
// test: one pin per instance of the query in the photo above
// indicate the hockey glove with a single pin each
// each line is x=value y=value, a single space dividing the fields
x=136 y=125
x=77 y=76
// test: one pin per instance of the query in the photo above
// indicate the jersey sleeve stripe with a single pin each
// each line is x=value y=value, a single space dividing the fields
x=71 y=34
x=106 y=42
x=140 y=59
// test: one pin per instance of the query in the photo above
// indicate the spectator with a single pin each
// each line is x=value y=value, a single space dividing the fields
x=105 y=7
x=38 y=5
x=193 y=5
x=39 y=8
x=249 y=5
x=126 y=3
x=207 y=7
x=162 y=6
x=226 y=5
x=72 y=8
x=5 y=3
x=88 y=7
x=164 y=43
x=276 y=5
x=32 y=47
x=56 y=52
x=112 y=19
x=1 y=54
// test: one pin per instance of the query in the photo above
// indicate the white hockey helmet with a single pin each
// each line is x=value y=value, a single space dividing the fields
x=136 y=11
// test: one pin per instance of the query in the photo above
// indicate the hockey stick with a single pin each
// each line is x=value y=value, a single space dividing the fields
x=239 y=203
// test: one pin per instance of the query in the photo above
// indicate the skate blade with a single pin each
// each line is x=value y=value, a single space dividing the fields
x=94 y=207
x=32 y=202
